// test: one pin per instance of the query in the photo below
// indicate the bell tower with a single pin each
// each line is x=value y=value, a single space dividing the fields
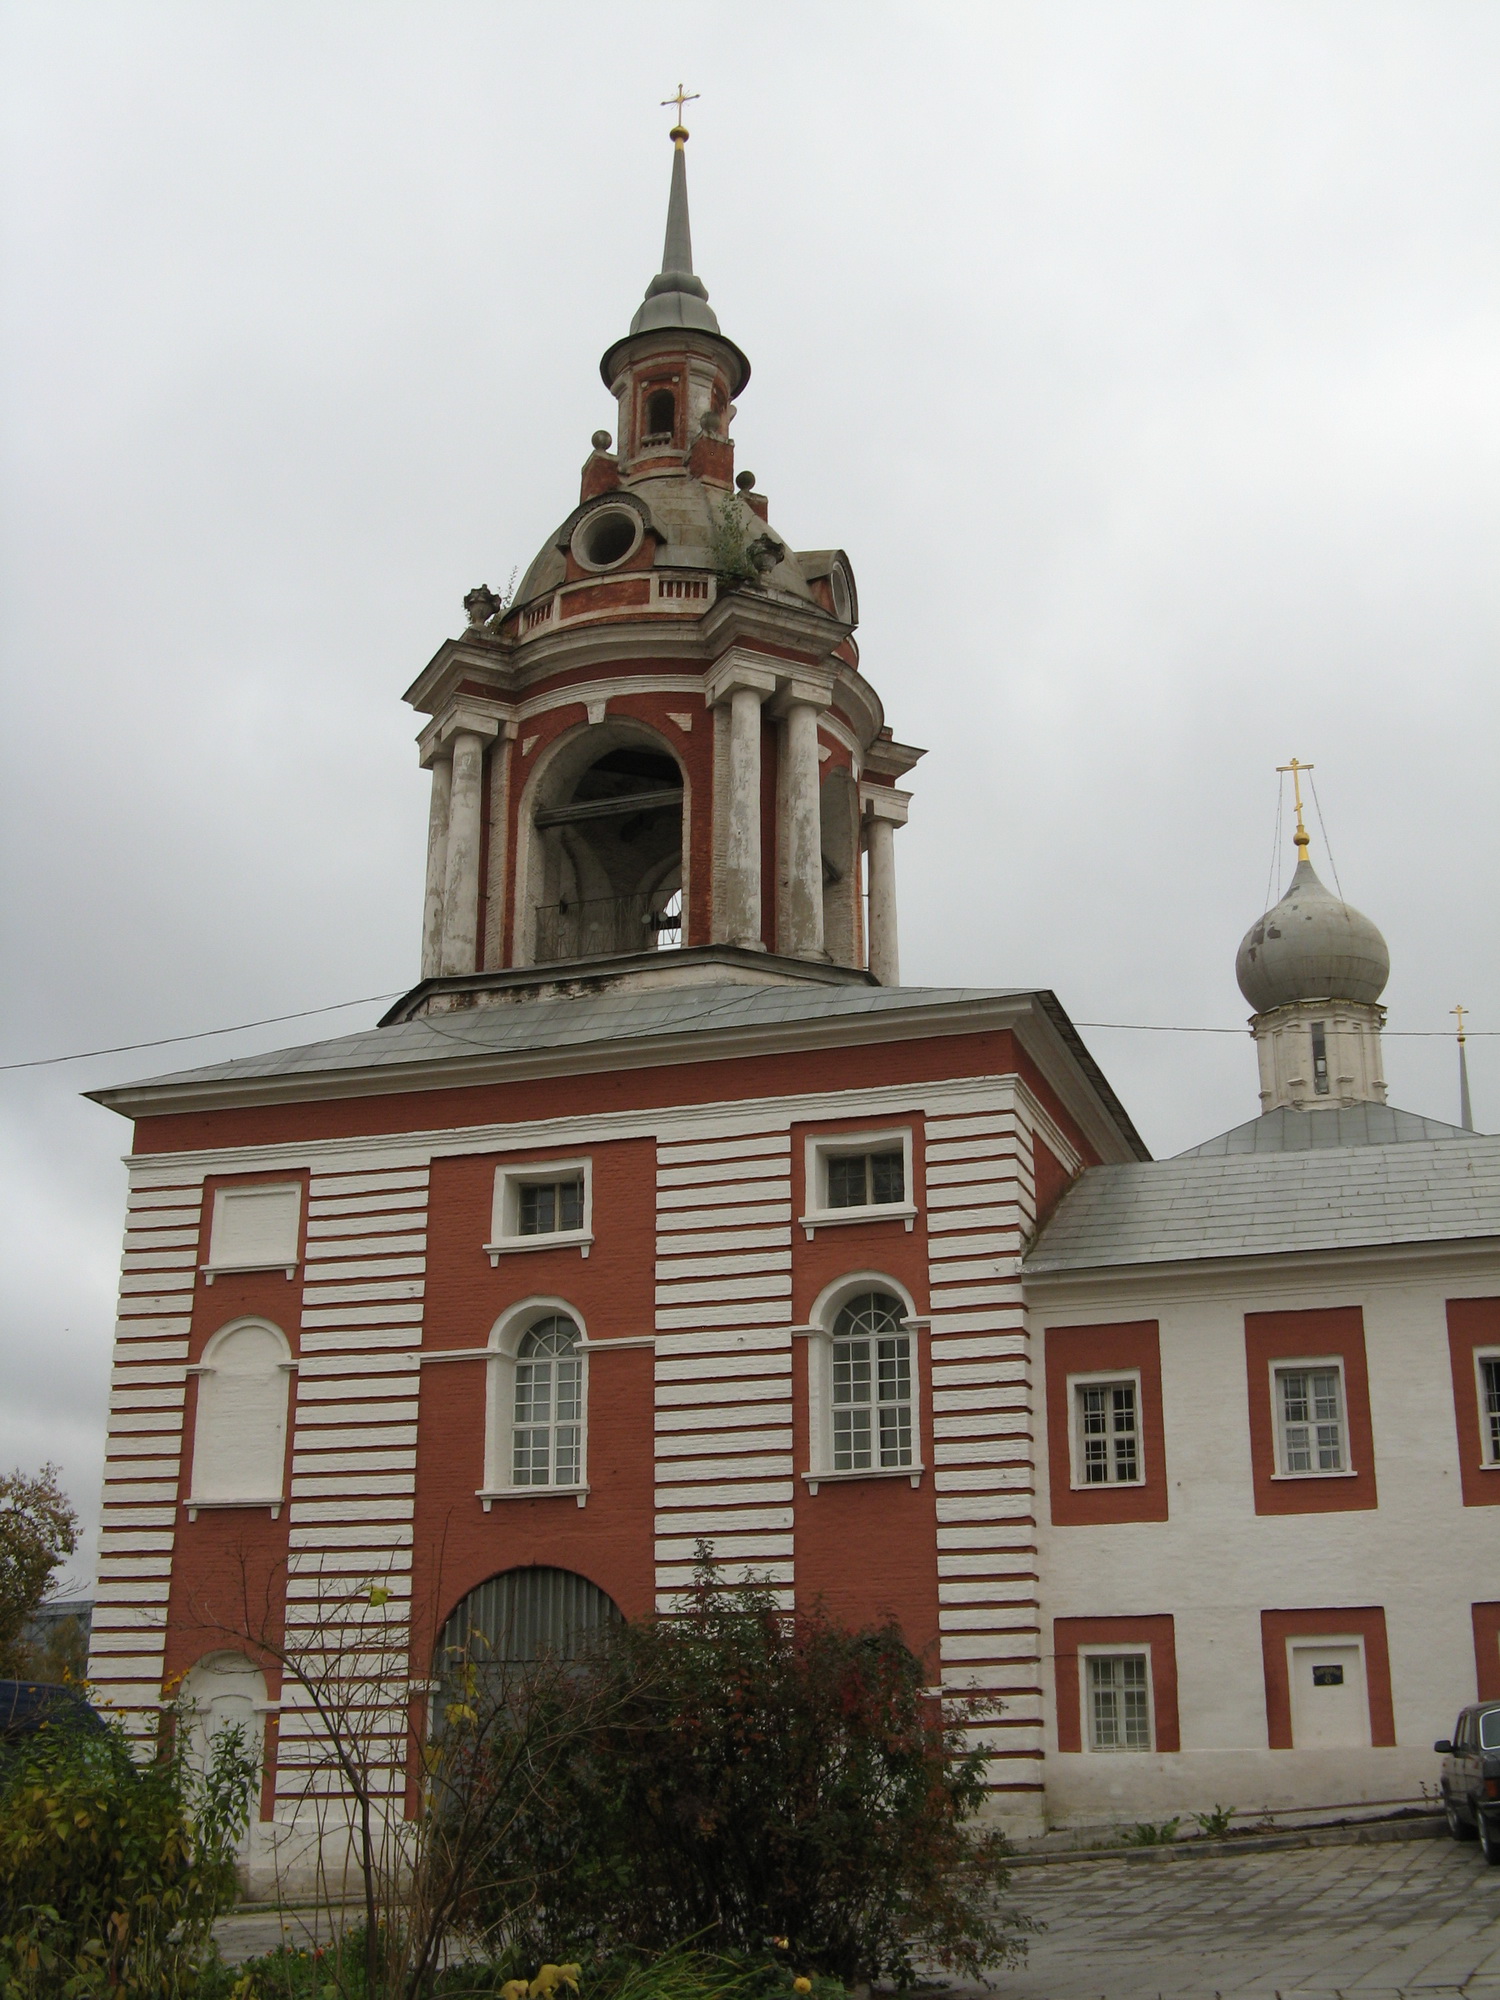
x=658 y=762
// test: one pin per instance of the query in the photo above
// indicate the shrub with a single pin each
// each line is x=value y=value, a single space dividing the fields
x=761 y=1782
x=112 y=1870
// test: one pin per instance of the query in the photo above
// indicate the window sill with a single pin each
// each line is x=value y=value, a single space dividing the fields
x=1348 y=1473
x=551 y=1239
x=208 y=1272
x=488 y=1495
x=194 y=1506
x=1106 y=1485
x=912 y=1472
x=880 y=1211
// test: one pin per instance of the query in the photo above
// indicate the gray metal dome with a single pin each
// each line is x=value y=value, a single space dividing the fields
x=1311 y=947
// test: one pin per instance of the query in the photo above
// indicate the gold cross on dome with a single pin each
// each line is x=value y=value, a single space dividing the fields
x=1460 y=1011
x=1297 y=767
x=679 y=131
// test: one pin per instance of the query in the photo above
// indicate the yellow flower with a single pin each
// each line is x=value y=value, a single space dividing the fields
x=515 y=1989
x=802 y=1986
x=460 y=1711
x=378 y=1593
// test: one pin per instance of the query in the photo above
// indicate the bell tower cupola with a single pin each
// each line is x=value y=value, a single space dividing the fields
x=674 y=376
x=655 y=760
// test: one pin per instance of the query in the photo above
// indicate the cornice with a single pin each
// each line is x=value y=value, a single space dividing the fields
x=1476 y=1257
x=478 y=1067
x=679 y=648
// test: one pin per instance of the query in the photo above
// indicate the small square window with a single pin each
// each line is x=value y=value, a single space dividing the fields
x=1310 y=1419
x=865 y=1180
x=549 y=1206
x=1107 y=1433
x=1119 y=1701
x=854 y=1176
x=542 y=1205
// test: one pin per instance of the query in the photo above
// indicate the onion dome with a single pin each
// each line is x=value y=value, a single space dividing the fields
x=1311 y=947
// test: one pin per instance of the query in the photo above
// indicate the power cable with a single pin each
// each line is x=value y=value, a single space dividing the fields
x=336 y=1006
x=200 y=1034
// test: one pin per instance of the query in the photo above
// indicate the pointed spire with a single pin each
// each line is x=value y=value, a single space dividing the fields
x=677 y=251
x=683 y=297
x=1465 y=1107
x=676 y=297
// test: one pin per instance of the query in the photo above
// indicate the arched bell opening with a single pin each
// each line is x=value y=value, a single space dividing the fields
x=604 y=820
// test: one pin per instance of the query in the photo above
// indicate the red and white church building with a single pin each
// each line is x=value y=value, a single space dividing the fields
x=659 y=1212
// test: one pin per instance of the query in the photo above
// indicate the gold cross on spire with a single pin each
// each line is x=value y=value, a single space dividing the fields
x=678 y=133
x=1297 y=767
x=1460 y=1011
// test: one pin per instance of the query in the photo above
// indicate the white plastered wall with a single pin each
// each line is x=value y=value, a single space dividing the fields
x=1215 y=1564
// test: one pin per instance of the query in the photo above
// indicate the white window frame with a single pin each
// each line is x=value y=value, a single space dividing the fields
x=205 y=1369
x=1297 y=1365
x=822 y=1146
x=819 y=1336
x=1103 y=1378
x=1489 y=1449
x=224 y=1198
x=505 y=1215
x=1124 y=1649
x=500 y=1402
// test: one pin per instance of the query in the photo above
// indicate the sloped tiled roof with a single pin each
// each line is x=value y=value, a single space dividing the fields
x=1246 y=1204
x=1288 y=1131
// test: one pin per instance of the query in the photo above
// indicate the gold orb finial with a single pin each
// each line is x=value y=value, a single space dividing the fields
x=679 y=132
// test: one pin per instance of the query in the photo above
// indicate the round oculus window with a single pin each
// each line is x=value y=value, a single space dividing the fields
x=607 y=537
x=842 y=603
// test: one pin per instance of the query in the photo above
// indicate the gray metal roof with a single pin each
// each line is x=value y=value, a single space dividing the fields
x=532 y=1026
x=1268 y=1204
x=1288 y=1131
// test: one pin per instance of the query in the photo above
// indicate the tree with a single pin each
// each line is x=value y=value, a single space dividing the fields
x=38 y=1529
x=763 y=1780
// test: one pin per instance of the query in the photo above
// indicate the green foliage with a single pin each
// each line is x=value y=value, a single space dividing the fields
x=37 y=1530
x=760 y=1781
x=1216 y=1823
x=1147 y=1835
x=730 y=545
x=112 y=1870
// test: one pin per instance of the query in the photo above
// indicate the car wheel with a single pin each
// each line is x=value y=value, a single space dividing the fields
x=1458 y=1826
x=1489 y=1838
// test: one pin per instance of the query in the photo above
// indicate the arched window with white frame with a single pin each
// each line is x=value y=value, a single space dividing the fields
x=536 y=1419
x=239 y=1433
x=863 y=1382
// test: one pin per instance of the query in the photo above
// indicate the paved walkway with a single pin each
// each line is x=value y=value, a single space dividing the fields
x=1409 y=1918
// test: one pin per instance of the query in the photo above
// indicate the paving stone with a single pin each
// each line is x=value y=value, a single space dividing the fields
x=1409 y=1920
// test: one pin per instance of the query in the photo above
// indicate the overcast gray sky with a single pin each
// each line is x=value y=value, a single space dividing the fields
x=1142 y=356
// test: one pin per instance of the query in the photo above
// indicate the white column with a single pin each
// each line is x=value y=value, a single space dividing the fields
x=742 y=861
x=461 y=874
x=799 y=836
x=437 y=866
x=885 y=960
